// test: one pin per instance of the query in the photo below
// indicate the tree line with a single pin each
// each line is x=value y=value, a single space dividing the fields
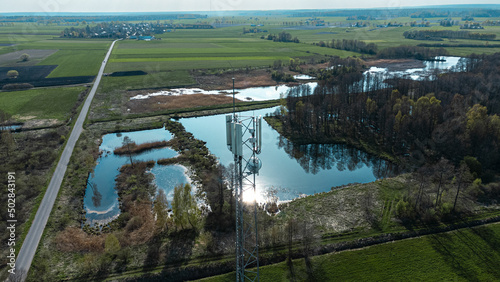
x=411 y=52
x=350 y=45
x=440 y=34
x=398 y=52
x=453 y=116
x=448 y=22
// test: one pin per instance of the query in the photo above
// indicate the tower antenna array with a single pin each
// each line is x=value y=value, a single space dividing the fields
x=244 y=133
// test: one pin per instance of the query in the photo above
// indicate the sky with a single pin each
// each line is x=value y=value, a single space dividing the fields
x=54 y=6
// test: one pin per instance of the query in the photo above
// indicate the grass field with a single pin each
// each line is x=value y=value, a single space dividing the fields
x=464 y=255
x=45 y=103
x=74 y=57
x=209 y=53
x=152 y=80
x=75 y=62
x=392 y=36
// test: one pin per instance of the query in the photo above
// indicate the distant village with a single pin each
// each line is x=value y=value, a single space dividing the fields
x=138 y=31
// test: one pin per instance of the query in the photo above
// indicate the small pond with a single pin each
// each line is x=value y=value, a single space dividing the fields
x=105 y=208
x=440 y=63
x=292 y=170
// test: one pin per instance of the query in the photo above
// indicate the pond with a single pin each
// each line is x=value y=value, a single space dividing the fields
x=100 y=210
x=440 y=63
x=292 y=170
x=247 y=94
x=274 y=92
x=10 y=127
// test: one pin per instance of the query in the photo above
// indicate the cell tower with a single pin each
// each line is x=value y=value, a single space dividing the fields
x=243 y=134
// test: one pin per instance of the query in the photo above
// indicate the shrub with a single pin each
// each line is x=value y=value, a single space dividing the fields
x=12 y=74
x=25 y=57
x=17 y=86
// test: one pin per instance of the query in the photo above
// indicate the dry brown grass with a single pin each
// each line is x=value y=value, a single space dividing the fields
x=177 y=102
x=242 y=79
x=396 y=64
x=134 y=148
x=74 y=239
x=145 y=231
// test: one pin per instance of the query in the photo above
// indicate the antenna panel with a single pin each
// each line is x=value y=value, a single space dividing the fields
x=229 y=132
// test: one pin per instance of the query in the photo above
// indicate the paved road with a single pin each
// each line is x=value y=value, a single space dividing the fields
x=31 y=241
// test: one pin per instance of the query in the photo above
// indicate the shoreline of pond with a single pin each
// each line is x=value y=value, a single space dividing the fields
x=275 y=123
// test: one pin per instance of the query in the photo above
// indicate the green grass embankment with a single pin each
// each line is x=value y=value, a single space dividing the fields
x=469 y=254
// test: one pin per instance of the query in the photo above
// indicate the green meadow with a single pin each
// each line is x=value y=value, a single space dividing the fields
x=73 y=57
x=470 y=254
x=206 y=53
x=43 y=103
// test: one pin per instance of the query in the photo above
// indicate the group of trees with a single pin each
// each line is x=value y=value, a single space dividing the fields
x=411 y=52
x=421 y=24
x=440 y=34
x=441 y=189
x=350 y=45
x=448 y=22
x=253 y=30
x=491 y=23
x=283 y=37
x=471 y=25
x=453 y=116
x=184 y=207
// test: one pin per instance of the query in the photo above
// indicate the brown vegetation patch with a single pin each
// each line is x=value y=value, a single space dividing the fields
x=134 y=148
x=306 y=67
x=39 y=123
x=242 y=79
x=158 y=103
x=73 y=239
x=140 y=228
x=396 y=64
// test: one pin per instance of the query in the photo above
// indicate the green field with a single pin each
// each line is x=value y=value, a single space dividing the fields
x=74 y=57
x=83 y=62
x=470 y=254
x=45 y=103
x=182 y=53
x=152 y=80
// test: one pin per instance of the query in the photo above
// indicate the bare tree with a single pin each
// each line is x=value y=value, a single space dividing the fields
x=462 y=179
x=442 y=173
x=161 y=210
x=9 y=141
x=128 y=143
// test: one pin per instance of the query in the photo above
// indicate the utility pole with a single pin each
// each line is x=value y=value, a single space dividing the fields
x=243 y=134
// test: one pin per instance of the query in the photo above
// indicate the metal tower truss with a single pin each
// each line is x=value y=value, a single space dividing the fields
x=244 y=134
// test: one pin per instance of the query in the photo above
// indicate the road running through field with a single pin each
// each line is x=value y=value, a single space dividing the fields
x=32 y=240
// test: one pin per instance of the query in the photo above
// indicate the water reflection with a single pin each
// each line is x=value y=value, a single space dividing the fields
x=314 y=158
x=101 y=199
x=293 y=170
